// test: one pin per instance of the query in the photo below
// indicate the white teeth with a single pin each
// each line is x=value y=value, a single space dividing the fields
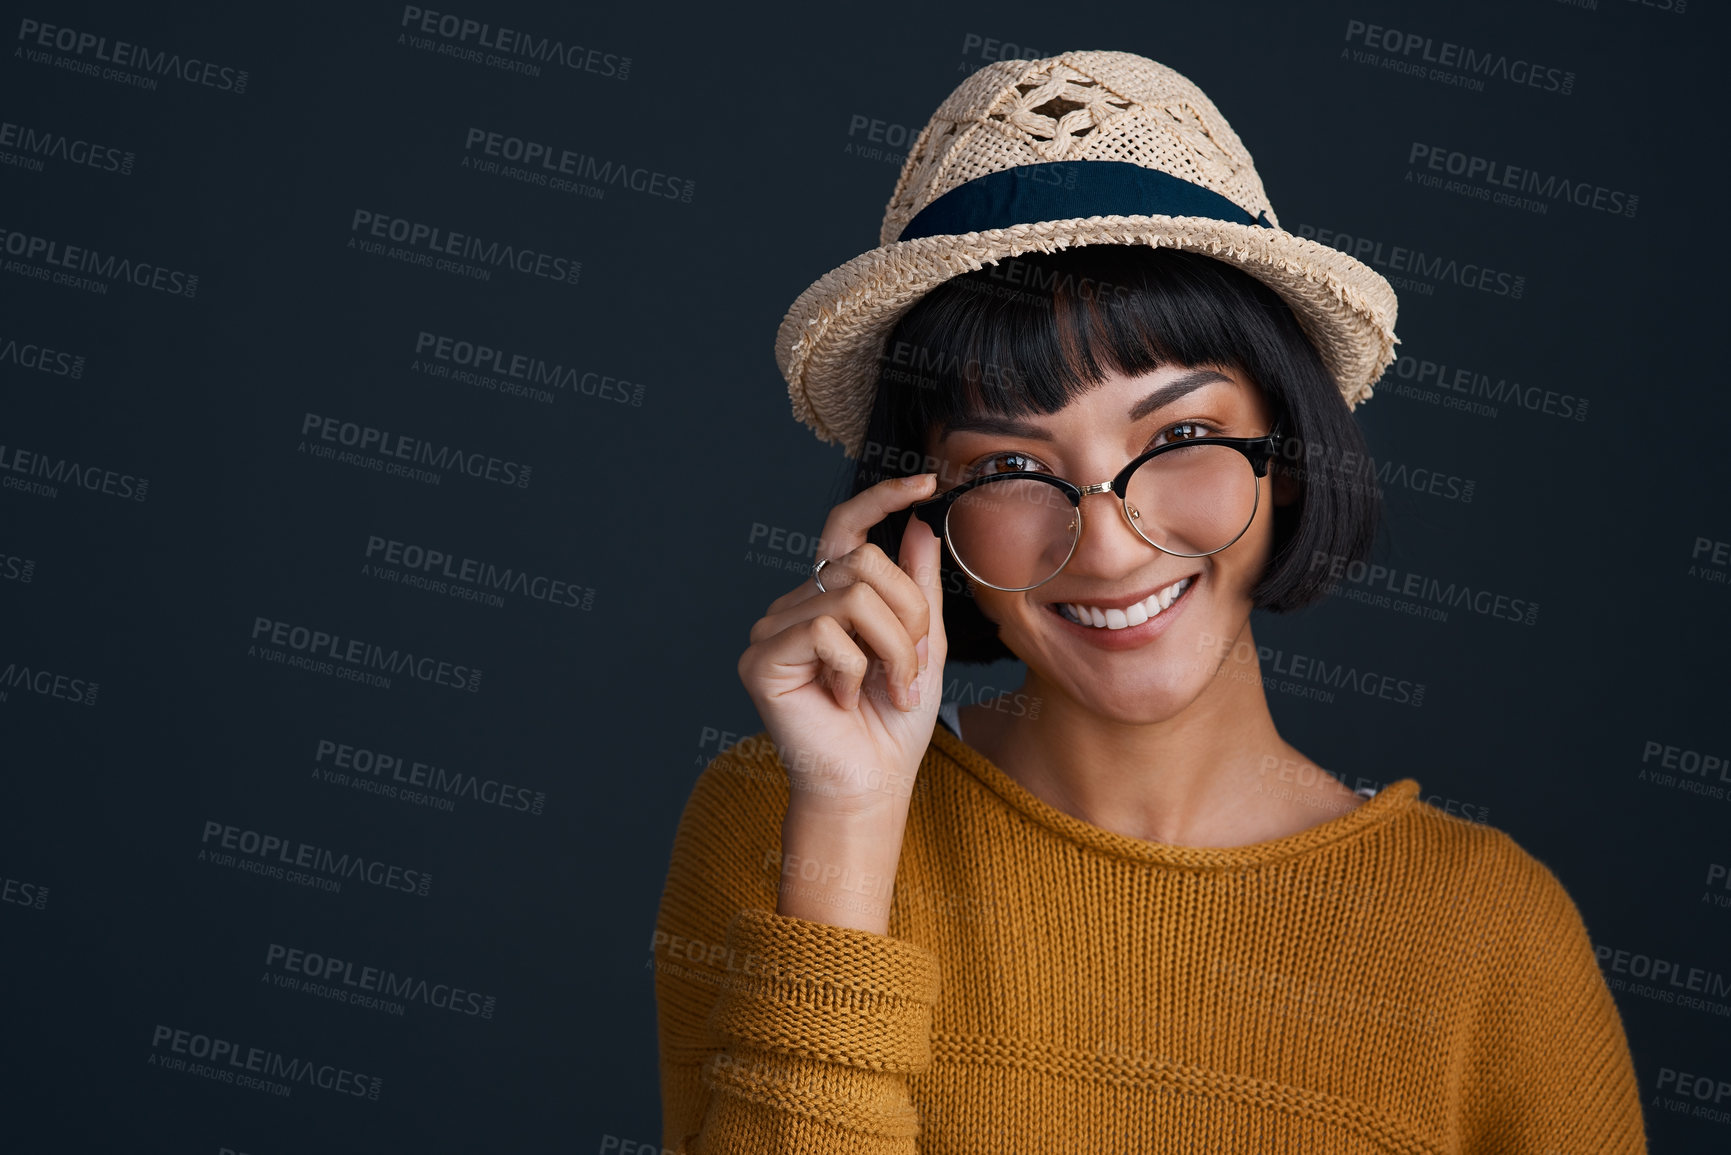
x=1132 y=615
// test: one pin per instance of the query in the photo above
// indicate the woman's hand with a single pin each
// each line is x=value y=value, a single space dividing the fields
x=837 y=680
x=836 y=676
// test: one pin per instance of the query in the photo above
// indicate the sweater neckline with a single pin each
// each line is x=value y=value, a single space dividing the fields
x=1387 y=803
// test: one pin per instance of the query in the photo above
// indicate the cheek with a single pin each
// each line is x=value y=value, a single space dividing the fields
x=1240 y=566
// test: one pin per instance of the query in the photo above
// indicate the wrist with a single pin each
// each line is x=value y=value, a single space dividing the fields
x=840 y=869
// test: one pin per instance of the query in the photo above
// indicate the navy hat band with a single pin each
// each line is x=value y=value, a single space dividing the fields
x=1064 y=190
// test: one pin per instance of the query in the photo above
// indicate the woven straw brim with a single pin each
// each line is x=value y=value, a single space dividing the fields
x=830 y=343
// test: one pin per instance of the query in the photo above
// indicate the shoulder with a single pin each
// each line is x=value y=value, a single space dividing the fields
x=1541 y=1034
x=1511 y=900
x=1478 y=848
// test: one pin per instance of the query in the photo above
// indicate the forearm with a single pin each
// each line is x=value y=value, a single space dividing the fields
x=790 y=1031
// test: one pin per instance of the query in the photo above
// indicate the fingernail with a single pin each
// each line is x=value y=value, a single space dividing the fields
x=915 y=481
x=920 y=650
x=914 y=692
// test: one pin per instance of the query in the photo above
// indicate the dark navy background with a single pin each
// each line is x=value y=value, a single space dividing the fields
x=681 y=496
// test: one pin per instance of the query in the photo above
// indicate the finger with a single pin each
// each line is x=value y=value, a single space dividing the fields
x=921 y=556
x=818 y=650
x=842 y=657
x=868 y=565
x=862 y=612
x=845 y=529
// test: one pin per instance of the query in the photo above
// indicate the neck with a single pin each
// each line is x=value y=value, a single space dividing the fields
x=1217 y=773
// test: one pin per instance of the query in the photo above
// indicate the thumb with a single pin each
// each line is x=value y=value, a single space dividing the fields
x=922 y=558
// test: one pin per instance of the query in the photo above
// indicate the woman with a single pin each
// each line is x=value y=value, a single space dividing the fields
x=1100 y=404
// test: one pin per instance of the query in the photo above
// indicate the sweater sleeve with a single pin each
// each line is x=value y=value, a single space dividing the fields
x=776 y=1034
x=1551 y=1072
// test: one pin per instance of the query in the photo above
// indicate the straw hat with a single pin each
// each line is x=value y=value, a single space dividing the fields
x=1085 y=148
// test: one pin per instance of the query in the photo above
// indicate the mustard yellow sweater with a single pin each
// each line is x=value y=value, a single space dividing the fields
x=1395 y=979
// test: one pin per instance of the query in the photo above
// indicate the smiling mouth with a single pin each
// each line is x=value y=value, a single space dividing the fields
x=1135 y=614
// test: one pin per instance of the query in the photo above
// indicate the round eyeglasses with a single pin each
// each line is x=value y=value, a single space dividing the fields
x=1014 y=531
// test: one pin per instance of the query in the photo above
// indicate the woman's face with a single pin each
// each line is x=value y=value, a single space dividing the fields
x=1148 y=672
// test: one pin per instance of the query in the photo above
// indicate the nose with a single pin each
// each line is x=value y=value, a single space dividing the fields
x=1107 y=550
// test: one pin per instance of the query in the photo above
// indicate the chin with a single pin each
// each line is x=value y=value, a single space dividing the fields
x=1159 y=691
x=1136 y=687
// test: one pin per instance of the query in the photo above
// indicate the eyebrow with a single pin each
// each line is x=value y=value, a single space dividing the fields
x=1013 y=427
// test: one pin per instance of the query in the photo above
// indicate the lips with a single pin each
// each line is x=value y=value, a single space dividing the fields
x=1126 y=614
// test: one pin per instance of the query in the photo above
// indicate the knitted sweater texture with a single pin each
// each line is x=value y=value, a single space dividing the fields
x=1395 y=979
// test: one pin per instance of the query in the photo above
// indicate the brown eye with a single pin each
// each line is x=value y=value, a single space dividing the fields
x=1011 y=460
x=1181 y=431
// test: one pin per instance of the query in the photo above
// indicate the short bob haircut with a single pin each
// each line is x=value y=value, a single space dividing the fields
x=1031 y=333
